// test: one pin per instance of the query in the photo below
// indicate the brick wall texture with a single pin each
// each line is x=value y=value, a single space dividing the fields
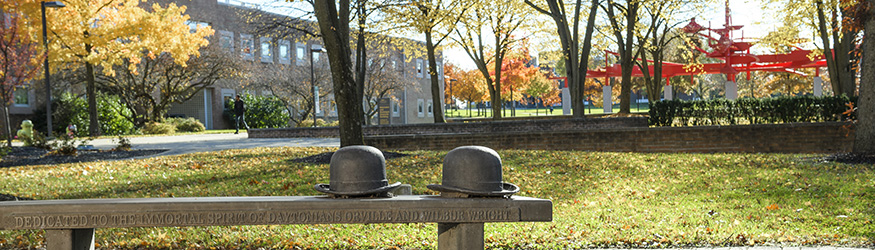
x=621 y=135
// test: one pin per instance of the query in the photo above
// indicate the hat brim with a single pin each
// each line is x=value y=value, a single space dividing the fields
x=326 y=188
x=506 y=189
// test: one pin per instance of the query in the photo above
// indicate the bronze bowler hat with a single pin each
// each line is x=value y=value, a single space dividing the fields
x=357 y=171
x=475 y=171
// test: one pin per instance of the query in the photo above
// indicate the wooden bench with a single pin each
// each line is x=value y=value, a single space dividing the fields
x=70 y=224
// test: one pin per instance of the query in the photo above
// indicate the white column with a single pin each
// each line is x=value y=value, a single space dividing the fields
x=666 y=91
x=606 y=100
x=731 y=90
x=566 y=101
x=818 y=86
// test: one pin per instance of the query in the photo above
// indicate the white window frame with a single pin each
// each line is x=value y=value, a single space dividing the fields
x=430 y=108
x=269 y=57
x=420 y=108
x=316 y=56
x=194 y=25
x=250 y=54
x=418 y=67
x=229 y=36
x=288 y=58
x=396 y=109
x=300 y=54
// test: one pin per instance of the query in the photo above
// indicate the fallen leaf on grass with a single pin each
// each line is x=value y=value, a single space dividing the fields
x=773 y=207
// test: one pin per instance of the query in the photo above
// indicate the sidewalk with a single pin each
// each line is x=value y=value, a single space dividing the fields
x=184 y=144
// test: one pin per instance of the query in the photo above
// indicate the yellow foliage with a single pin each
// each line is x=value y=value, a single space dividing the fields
x=107 y=32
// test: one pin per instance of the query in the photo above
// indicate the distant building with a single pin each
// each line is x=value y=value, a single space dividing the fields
x=291 y=51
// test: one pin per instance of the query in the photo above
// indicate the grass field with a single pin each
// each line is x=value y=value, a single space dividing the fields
x=599 y=199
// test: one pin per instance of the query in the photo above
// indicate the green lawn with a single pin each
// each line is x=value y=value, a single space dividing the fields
x=599 y=199
x=463 y=113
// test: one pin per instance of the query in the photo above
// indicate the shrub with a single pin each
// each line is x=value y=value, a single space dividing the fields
x=71 y=109
x=261 y=112
x=186 y=124
x=124 y=144
x=319 y=123
x=156 y=128
x=749 y=111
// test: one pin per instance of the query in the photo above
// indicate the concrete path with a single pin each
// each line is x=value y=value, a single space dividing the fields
x=184 y=144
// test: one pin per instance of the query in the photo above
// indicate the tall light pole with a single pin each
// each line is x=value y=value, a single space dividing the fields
x=449 y=95
x=52 y=4
x=313 y=81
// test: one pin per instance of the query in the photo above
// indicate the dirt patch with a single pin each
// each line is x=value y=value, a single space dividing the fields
x=325 y=158
x=22 y=156
x=851 y=158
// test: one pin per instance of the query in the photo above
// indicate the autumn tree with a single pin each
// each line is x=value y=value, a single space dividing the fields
x=575 y=53
x=334 y=17
x=516 y=75
x=543 y=90
x=623 y=18
x=435 y=19
x=101 y=34
x=293 y=86
x=656 y=40
x=20 y=62
x=137 y=84
x=382 y=79
x=469 y=86
x=837 y=31
x=491 y=22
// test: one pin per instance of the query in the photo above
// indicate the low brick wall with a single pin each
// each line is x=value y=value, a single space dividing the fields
x=522 y=126
x=828 y=137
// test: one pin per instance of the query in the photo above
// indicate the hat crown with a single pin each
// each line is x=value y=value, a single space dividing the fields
x=357 y=169
x=475 y=168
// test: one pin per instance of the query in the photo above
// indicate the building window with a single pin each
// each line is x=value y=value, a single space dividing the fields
x=430 y=109
x=419 y=68
x=266 y=55
x=300 y=52
x=420 y=109
x=226 y=40
x=21 y=97
x=315 y=55
x=247 y=46
x=396 y=109
x=283 y=52
x=194 y=25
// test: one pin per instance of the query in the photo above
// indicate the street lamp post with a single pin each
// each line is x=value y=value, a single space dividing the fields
x=52 y=4
x=450 y=95
x=313 y=81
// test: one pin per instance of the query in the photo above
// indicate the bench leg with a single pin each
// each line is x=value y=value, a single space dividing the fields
x=460 y=236
x=70 y=239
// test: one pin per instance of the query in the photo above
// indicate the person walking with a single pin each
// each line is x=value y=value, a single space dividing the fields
x=238 y=114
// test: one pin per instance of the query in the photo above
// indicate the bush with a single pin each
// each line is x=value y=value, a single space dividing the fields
x=319 y=123
x=155 y=128
x=71 y=109
x=261 y=112
x=749 y=111
x=186 y=124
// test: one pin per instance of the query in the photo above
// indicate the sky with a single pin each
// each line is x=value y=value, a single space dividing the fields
x=744 y=12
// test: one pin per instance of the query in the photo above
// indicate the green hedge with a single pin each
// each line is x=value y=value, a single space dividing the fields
x=260 y=112
x=749 y=111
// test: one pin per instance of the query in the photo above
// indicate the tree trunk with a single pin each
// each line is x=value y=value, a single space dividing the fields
x=361 y=56
x=435 y=84
x=864 y=140
x=8 y=126
x=334 y=27
x=91 y=90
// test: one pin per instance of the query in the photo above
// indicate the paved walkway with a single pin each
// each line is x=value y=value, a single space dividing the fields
x=184 y=144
